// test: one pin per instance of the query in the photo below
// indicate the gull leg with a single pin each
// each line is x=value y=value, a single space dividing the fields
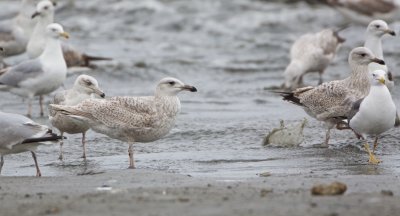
x=327 y=137
x=38 y=173
x=372 y=158
x=84 y=145
x=375 y=144
x=1 y=162
x=320 y=81
x=29 y=107
x=41 y=105
x=130 y=153
x=61 y=147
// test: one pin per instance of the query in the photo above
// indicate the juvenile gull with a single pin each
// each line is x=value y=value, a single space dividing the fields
x=364 y=11
x=375 y=31
x=312 y=52
x=20 y=134
x=45 y=15
x=39 y=76
x=83 y=89
x=330 y=101
x=375 y=113
x=132 y=119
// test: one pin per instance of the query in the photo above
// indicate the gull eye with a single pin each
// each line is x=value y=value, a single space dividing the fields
x=46 y=8
x=363 y=54
x=171 y=83
x=377 y=26
x=373 y=75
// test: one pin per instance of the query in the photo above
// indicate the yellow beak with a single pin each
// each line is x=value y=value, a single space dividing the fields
x=65 y=35
x=382 y=80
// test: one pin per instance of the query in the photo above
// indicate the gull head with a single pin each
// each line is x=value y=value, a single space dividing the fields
x=378 y=77
x=88 y=85
x=363 y=56
x=43 y=9
x=171 y=87
x=56 y=31
x=379 y=28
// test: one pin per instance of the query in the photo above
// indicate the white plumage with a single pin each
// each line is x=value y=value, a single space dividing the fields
x=376 y=113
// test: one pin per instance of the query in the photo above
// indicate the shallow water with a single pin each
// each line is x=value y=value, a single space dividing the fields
x=230 y=50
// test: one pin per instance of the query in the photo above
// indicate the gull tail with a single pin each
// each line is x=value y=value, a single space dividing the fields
x=87 y=59
x=49 y=136
x=289 y=96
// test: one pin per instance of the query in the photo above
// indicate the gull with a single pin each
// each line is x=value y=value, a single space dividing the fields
x=375 y=31
x=364 y=11
x=375 y=113
x=330 y=101
x=132 y=119
x=20 y=134
x=39 y=76
x=45 y=15
x=312 y=52
x=84 y=87
x=15 y=33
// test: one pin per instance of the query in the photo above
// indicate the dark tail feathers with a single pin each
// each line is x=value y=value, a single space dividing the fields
x=87 y=59
x=289 y=96
x=50 y=136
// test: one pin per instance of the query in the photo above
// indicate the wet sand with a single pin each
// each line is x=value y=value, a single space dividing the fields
x=146 y=192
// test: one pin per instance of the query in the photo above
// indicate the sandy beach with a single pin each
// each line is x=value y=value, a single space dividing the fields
x=146 y=192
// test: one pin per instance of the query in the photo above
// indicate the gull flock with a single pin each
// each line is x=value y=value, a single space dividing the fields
x=348 y=104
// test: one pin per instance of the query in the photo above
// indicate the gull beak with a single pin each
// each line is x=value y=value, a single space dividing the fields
x=390 y=31
x=379 y=61
x=189 y=88
x=99 y=92
x=64 y=34
x=35 y=14
x=382 y=80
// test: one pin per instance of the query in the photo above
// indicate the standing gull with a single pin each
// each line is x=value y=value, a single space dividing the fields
x=45 y=15
x=311 y=53
x=329 y=101
x=39 y=76
x=132 y=119
x=15 y=33
x=375 y=31
x=83 y=89
x=20 y=134
x=375 y=113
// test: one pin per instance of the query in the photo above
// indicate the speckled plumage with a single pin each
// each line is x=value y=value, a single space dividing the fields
x=331 y=101
x=84 y=87
x=132 y=119
x=312 y=52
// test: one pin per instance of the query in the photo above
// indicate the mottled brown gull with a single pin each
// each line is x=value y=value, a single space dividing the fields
x=84 y=88
x=39 y=76
x=132 y=119
x=364 y=11
x=331 y=101
x=374 y=114
x=311 y=52
x=20 y=134
x=45 y=15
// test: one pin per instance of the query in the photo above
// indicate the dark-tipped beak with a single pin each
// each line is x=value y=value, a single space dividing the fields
x=35 y=14
x=103 y=95
x=391 y=32
x=189 y=88
x=379 y=61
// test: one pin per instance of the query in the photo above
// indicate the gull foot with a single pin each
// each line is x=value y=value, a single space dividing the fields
x=372 y=158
